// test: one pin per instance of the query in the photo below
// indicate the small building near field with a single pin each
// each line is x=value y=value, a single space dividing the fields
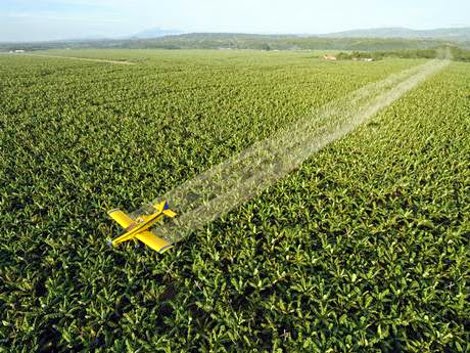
x=363 y=59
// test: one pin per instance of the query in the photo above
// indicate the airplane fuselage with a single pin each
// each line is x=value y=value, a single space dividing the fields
x=138 y=227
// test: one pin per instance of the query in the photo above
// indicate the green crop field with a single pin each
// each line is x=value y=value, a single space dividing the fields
x=363 y=248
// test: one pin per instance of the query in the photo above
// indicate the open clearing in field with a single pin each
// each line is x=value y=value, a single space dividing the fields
x=218 y=190
x=81 y=59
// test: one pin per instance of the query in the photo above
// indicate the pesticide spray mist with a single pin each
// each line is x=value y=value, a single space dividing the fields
x=244 y=176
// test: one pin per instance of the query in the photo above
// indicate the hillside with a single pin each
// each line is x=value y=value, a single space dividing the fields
x=237 y=41
x=450 y=34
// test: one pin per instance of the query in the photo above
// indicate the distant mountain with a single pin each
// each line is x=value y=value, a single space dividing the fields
x=156 y=33
x=452 y=34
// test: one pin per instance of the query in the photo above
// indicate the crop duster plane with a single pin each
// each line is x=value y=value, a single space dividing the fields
x=139 y=227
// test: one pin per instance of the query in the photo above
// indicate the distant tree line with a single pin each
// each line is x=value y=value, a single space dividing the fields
x=457 y=54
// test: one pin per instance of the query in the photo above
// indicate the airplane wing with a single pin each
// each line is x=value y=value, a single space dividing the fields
x=154 y=242
x=123 y=219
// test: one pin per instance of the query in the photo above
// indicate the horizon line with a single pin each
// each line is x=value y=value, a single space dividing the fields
x=182 y=32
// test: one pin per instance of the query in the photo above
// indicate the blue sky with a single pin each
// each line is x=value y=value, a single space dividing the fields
x=33 y=20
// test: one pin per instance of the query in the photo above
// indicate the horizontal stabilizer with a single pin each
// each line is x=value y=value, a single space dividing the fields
x=159 y=207
x=164 y=208
x=169 y=213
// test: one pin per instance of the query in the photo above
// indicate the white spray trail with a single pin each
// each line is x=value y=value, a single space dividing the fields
x=244 y=176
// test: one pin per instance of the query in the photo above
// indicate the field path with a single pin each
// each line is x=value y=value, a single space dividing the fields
x=244 y=176
x=81 y=59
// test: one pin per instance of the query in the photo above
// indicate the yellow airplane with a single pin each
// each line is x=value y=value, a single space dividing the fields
x=139 y=227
